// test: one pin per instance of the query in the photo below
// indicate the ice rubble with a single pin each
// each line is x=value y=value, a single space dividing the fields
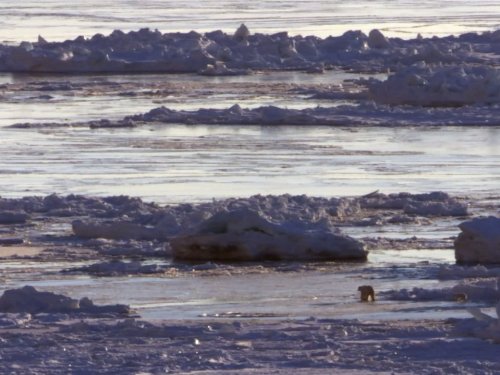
x=117 y=268
x=438 y=86
x=479 y=241
x=130 y=219
x=486 y=290
x=290 y=218
x=451 y=272
x=363 y=114
x=243 y=235
x=28 y=300
x=436 y=203
x=151 y=51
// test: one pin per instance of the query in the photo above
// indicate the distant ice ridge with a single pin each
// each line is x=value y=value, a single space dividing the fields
x=221 y=53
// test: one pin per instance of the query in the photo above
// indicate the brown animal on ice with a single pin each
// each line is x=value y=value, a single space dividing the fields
x=460 y=297
x=367 y=293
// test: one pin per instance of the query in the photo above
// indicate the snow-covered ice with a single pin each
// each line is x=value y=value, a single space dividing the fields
x=243 y=235
x=479 y=241
x=29 y=300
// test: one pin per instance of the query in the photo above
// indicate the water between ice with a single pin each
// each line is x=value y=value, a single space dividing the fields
x=187 y=164
x=178 y=163
x=328 y=292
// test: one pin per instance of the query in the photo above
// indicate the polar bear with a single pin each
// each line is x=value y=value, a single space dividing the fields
x=367 y=293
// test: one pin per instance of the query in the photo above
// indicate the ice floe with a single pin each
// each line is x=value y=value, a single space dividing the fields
x=442 y=86
x=243 y=235
x=479 y=241
x=363 y=114
x=117 y=268
x=28 y=300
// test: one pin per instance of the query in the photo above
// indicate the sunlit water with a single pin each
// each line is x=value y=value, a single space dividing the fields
x=59 y=20
x=179 y=163
x=169 y=164
x=331 y=292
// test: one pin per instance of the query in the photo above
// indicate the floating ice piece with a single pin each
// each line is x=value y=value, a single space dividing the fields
x=243 y=235
x=448 y=86
x=364 y=114
x=29 y=300
x=479 y=241
x=116 y=268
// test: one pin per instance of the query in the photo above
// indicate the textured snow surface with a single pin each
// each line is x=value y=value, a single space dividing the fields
x=238 y=346
x=45 y=332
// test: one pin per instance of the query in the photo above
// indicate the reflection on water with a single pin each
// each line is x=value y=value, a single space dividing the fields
x=55 y=20
x=197 y=163
x=114 y=96
x=331 y=292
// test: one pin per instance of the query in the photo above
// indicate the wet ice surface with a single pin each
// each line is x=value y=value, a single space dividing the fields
x=281 y=290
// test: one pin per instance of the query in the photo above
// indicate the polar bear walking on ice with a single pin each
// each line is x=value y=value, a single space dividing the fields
x=367 y=293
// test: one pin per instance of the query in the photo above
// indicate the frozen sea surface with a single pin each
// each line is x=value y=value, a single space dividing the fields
x=57 y=20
